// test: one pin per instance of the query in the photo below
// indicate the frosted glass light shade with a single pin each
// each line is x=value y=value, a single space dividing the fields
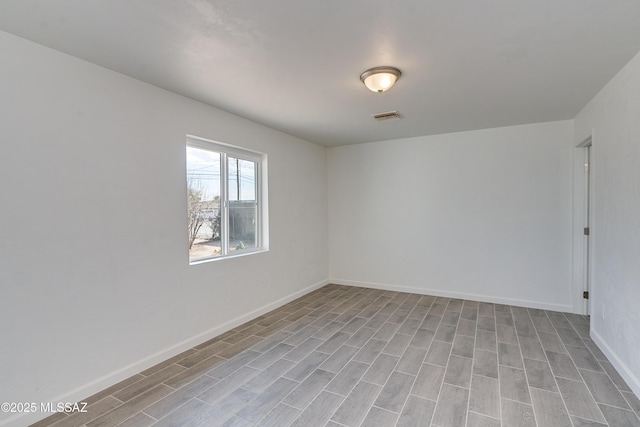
x=380 y=79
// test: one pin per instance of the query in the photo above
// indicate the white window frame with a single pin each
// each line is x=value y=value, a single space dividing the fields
x=260 y=159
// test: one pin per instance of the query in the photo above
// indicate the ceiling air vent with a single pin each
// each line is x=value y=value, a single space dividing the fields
x=385 y=117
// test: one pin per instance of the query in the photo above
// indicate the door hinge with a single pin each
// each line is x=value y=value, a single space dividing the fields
x=585 y=295
x=587 y=166
x=586 y=231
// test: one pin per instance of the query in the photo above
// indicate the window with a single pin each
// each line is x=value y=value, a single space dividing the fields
x=224 y=200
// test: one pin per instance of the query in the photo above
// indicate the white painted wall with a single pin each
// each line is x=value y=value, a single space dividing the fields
x=92 y=223
x=94 y=270
x=483 y=215
x=613 y=119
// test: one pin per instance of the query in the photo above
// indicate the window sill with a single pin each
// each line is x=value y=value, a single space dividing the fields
x=233 y=255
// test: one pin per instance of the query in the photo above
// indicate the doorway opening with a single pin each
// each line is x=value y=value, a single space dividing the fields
x=582 y=226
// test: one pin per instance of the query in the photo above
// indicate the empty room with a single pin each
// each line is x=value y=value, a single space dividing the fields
x=342 y=214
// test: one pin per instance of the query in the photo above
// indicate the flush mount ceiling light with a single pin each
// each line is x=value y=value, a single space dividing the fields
x=380 y=79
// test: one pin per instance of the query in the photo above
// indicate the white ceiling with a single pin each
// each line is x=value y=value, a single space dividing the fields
x=295 y=65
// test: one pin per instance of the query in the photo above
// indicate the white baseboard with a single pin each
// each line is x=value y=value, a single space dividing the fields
x=632 y=381
x=459 y=295
x=115 y=377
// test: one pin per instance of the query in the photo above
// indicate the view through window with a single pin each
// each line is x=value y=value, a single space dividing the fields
x=223 y=198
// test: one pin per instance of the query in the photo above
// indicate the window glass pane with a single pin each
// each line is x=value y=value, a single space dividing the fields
x=223 y=200
x=242 y=179
x=203 y=199
x=243 y=205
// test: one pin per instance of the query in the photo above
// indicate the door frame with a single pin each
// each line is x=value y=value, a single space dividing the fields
x=583 y=217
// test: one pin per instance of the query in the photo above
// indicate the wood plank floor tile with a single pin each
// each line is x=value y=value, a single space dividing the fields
x=131 y=407
x=539 y=375
x=356 y=406
x=549 y=409
x=345 y=356
x=619 y=417
x=451 y=409
x=311 y=387
x=562 y=366
x=281 y=415
x=417 y=412
x=478 y=420
x=517 y=414
x=347 y=378
x=459 y=371
x=603 y=389
x=381 y=369
x=579 y=400
x=513 y=384
x=378 y=417
x=267 y=400
x=395 y=392
x=429 y=381
x=485 y=396
x=319 y=411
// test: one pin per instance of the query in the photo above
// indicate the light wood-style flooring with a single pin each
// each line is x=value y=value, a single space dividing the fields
x=348 y=356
